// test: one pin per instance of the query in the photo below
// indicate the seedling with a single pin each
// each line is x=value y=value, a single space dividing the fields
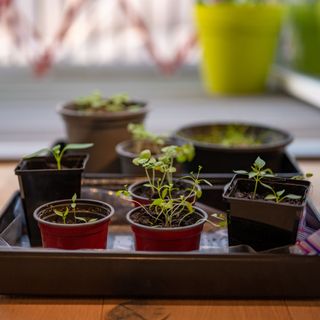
x=279 y=196
x=57 y=152
x=116 y=103
x=166 y=209
x=64 y=214
x=257 y=173
x=142 y=137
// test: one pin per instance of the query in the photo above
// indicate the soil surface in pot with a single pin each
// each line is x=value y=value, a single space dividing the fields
x=84 y=215
x=143 y=218
x=244 y=190
x=233 y=135
x=180 y=189
x=131 y=106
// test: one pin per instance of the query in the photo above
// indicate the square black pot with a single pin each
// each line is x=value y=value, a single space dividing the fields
x=264 y=224
x=40 y=182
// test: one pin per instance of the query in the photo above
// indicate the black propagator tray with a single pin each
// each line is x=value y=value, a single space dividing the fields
x=216 y=271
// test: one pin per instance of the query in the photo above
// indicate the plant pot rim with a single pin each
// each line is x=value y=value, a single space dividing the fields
x=287 y=138
x=65 y=110
x=138 y=183
x=155 y=229
x=75 y=225
x=286 y=181
x=82 y=157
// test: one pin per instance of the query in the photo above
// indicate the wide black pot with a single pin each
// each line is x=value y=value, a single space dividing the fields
x=125 y=153
x=264 y=224
x=104 y=129
x=219 y=158
x=40 y=182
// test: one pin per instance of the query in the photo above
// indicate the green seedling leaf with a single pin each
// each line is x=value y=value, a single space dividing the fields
x=157 y=202
x=189 y=206
x=266 y=186
x=58 y=213
x=164 y=193
x=240 y=171
x=77 y=146
x=81 y=219
x=259 y=163
x=252 y=174
x=270 y=197
x=280 y=193
x=293 y=196
x=198 y=193
x=37 y=153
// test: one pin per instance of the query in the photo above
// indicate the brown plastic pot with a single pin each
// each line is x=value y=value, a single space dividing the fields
x=218 y=158
x=167 y=239
x=90 y=235
x=104 y=129
x=264 y=224
x=41 y=182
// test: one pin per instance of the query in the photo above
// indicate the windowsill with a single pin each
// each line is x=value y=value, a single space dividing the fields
x=29 y=120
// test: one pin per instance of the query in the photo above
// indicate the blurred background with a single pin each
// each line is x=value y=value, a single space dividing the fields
x=55 y=51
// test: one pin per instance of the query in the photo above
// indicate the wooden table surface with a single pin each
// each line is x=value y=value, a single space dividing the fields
x=41 y=308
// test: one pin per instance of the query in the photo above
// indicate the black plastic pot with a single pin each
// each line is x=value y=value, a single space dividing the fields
x=126 y=155
x=264 y=224
x=224 y=159
x=40 y=182
x=104 y=129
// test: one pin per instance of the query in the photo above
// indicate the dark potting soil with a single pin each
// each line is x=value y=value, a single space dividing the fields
x=142 y=217
x=245 y=191
x=180 y=188
x=90 y=214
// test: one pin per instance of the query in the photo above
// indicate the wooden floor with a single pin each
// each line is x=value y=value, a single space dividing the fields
x=41 y=308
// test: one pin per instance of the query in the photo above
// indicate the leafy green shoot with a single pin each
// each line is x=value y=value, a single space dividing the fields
x=57 y=152
x=279 y=196
x=116 y=103
x=258 y=172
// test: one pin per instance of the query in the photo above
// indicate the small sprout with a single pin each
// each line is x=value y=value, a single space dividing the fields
x=116 y=103
x=57 y=152
x=257 y=173
x=62 y=214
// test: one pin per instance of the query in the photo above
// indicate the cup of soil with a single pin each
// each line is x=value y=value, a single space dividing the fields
x=81 y=224
x=104 y=122
x=221 y=145
x=268 y=217
x=180 y=236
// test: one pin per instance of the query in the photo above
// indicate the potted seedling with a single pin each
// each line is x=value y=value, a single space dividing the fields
x=238 y=41
x=142 y=139
x=47 y=178
x=159 y=171
x=103 y=121
x=74 y=224
x=169 y=220
x=219 y=145
x=265 y=210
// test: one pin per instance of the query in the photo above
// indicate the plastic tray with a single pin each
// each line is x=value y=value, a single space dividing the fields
x=216 y=270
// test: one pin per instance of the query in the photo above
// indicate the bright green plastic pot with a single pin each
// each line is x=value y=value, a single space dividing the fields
x=238 y=44
x=305 y=24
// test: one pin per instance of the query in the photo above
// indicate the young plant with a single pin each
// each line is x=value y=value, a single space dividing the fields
x=64 y=214
x=258 y=172
x=279 y=196
x=116 y=103
x=163 y=164
x=143 y=138
x=57 y=152
x=167 y=209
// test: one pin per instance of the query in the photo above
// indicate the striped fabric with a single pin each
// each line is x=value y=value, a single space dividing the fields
x=308 y=240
